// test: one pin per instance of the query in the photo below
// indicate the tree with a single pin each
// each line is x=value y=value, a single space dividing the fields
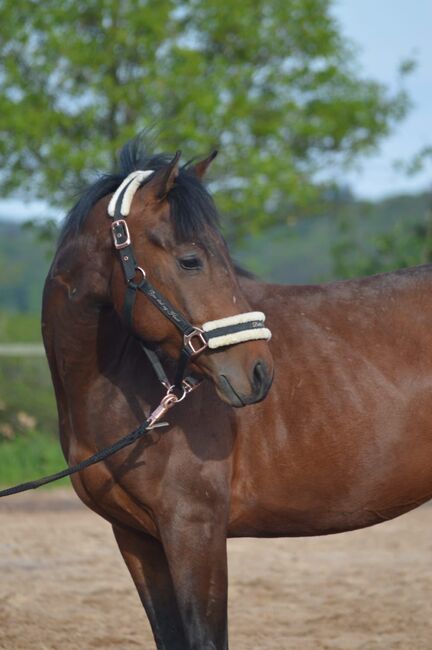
x=391 y=234
x=272 y=82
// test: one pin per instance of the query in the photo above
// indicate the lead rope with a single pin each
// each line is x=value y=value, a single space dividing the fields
x=167 y=402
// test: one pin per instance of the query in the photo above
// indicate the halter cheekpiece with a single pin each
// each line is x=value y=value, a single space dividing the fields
x=213 y=334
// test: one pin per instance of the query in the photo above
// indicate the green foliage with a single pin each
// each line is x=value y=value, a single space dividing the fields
x=341 y=240
x=28 y=457
x=273 y=82
x=29 y=445
x=376 y=238
x=345 y=239
x=23 y=268
x=417 y=162
x=20 y=327
x=45 y=232
x=26 y=396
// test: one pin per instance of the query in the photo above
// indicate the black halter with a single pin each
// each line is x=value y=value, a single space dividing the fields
x=195 y=339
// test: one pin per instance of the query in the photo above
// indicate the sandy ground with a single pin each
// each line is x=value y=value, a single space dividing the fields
x=63 y=585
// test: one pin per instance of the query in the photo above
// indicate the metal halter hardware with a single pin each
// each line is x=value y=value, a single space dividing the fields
x=188 y=340
x=143 y=275
x=167 y=402
x=120 y=233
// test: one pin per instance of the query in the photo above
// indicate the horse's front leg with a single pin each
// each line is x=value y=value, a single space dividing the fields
x=194 y=540
x=147 y=563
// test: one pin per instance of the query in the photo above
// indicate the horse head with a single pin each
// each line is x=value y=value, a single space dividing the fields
x=168 y=239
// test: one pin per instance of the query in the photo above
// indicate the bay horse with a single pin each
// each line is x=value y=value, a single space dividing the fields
x=342 y=440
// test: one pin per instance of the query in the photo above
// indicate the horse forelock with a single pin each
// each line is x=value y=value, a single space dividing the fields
x=192 y=209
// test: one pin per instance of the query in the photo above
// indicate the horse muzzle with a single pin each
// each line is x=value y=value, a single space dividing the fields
x=260 y=383
x=239 y=384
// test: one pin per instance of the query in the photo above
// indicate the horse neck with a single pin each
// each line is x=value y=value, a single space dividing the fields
x=91 y=352
x=82 y=331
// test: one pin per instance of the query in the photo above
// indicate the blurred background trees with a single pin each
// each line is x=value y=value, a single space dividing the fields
x=273 y=83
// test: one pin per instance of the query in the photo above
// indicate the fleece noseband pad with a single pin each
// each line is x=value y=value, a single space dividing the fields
x=236 y=329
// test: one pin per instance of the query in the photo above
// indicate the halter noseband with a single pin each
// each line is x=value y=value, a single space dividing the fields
x=212 y=334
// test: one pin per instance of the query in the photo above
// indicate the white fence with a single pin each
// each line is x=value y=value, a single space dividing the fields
x=22 y=350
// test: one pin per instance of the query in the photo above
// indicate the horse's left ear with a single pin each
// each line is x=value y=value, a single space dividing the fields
x=164 y=179
x=200 y=168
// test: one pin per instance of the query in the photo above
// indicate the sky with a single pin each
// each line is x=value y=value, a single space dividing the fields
x=385 y=33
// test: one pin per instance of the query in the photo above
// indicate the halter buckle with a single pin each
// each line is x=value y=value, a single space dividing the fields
x=120 y=234
x=189 y=339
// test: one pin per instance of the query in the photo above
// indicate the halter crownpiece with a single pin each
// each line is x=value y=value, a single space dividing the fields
x=124 y=199
x=213 y=334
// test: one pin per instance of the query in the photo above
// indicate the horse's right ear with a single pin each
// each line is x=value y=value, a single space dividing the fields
x=163 y=180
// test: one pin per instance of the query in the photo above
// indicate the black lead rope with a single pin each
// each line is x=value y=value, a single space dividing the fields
x=188 y=385
x=92 y=460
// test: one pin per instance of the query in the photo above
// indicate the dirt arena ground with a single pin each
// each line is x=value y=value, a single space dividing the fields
x=63 y=585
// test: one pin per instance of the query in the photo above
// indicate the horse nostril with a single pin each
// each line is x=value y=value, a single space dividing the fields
x=259 y=376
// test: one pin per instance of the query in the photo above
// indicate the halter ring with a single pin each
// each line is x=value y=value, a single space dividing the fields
x=196 y=333
x=132 y=282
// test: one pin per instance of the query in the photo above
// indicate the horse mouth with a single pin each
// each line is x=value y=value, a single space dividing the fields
x=229 y=394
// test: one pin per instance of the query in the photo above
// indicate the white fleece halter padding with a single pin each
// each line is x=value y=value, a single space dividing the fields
x=252 y=334
x=247 y=317
x=135 y=179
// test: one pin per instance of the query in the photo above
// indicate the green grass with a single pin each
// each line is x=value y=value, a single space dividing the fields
x=26 y=396
x=30 y=456
x=29 y=447
x=20 y=328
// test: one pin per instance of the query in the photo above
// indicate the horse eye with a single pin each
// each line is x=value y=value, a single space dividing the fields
x=190 y=263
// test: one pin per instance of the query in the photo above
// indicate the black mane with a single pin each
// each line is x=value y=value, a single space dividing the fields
x=193 y=210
